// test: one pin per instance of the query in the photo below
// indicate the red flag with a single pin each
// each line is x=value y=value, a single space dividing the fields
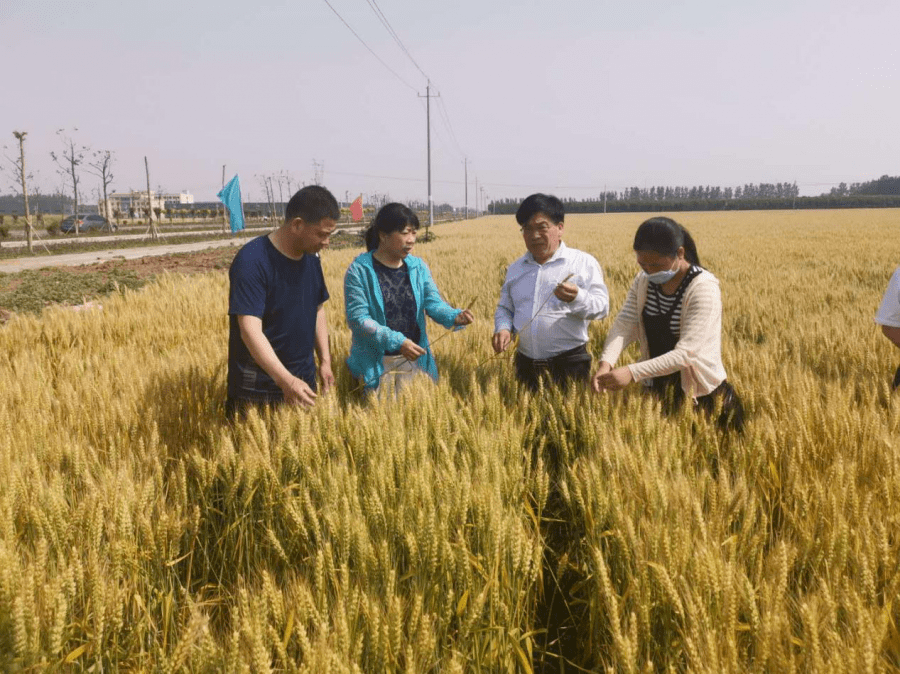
x=356 y=210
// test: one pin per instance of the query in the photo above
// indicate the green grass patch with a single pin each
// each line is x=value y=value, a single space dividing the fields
x=30 y=291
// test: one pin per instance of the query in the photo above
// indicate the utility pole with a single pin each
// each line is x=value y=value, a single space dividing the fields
x=427 y=98
x=466 y=164
x=281 y=195
x=20 y=136
x=476 y=196
x=224 y=214
x=604 y=198
x=154 y=234
x=270 y=195
x=318 y=171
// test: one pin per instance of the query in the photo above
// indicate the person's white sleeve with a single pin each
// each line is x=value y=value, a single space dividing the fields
x=625 y=329
x=503 y=316
x=592 y=301
x=889 y=311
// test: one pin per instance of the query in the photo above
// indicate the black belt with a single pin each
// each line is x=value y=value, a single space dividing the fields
x=558 y=359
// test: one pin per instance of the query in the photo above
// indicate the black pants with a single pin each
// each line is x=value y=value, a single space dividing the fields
x=560 y=369
x=731 y=418
x=897 y=379
x=236 y=409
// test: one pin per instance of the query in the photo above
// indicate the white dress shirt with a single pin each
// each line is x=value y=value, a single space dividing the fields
x=546 y=325
x=889 y=311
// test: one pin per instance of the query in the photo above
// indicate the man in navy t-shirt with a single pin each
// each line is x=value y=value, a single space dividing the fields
x=276 y=308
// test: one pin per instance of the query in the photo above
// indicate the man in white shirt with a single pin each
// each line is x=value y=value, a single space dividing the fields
x=548 y=298
x=888 y=316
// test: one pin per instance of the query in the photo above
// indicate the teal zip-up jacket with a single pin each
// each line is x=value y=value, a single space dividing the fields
x=365 y=317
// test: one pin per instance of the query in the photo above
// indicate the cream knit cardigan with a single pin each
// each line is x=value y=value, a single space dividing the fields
x=698 y=353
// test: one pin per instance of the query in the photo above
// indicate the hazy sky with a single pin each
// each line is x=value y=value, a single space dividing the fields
x=564 y=97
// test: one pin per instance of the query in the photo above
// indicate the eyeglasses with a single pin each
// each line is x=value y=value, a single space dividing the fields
x=542 y=229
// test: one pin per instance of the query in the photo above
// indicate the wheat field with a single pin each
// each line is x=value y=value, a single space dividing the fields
x=139 y=532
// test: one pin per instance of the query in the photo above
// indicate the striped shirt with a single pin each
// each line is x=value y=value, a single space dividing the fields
x=659 y=303
x=698 y=353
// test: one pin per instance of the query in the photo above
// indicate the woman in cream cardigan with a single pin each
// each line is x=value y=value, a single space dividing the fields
x=674 y=310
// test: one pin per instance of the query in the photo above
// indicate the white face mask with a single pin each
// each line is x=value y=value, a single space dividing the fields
x=663 y=277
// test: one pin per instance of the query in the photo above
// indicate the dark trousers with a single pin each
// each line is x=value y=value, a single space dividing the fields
x=560 y=369
x=236 y=409
x=897 y=379
x=731 y=418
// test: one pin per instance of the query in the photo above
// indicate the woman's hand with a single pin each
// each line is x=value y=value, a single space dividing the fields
x=607 y=379
x=595 y=380
x=464 y=318
x=411 y=351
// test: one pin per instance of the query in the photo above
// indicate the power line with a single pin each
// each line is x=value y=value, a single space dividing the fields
x=440 y=136
x=401 y=178
x=371 y=51
x=446 y=118
x=373 y=4
x=460 y=182
x=387 y=25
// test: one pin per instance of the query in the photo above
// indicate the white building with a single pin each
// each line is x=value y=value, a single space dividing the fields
x=128 y=203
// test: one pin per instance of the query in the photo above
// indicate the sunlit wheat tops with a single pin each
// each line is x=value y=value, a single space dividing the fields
x=140 y=533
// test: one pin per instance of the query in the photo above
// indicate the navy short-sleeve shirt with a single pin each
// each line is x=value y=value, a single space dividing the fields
x=286 y=295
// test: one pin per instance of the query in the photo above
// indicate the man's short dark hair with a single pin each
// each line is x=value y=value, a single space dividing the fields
x=541 y=203
x=312 y=203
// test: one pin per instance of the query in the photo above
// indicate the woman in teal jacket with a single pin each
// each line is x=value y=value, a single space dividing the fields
x=387 y=293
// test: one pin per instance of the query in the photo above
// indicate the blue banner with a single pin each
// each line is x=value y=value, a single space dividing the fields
x=231 y=197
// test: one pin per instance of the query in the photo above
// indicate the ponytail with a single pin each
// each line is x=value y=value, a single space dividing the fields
x=371 y=236
x=665 y=236
x=690 y=248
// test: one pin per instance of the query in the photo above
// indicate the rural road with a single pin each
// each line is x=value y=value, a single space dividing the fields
x=94 y=256
x=121 y=237
x=14 y=265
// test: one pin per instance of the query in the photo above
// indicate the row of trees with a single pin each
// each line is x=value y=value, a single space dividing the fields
x=701 y=192
x=881 y=193
x=885 y=185
x=40 y=203
x=70 y=160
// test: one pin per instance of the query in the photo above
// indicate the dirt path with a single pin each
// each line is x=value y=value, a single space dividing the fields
x=97 y=256
x=30 y=284
x=121 y=235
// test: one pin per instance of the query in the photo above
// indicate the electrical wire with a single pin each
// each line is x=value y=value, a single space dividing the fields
x=442 y=110
x=371 y=51
x=390 y=29
x=437 y=132
x=400 y=178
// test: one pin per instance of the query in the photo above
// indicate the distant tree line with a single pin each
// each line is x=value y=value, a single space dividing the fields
x=885 y=185
x=12 y=204
x=706 y=192
x=881 y=193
